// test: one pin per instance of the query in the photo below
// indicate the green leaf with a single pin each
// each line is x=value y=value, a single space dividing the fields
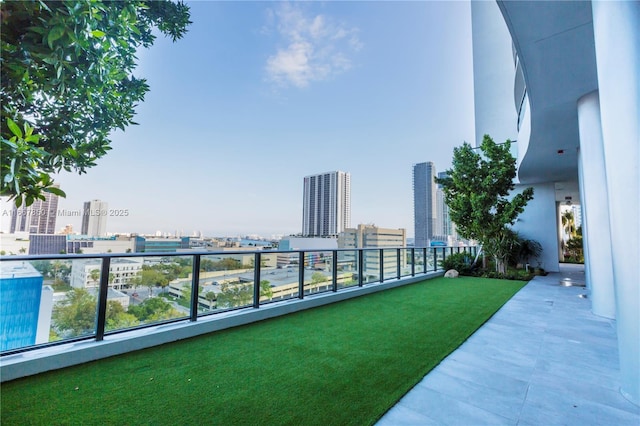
x=15 y=129
x=55 y=33
x=10 y=143
x=98 y=33
x=56 y=191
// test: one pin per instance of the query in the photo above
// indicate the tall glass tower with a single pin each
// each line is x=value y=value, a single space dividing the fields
x=424 y=203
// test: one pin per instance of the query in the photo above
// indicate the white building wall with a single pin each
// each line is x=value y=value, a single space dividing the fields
x=14 y=243
x=493 y=74
x=617 y=42
x=594 y=196
x=539 y=222
x=44 y=315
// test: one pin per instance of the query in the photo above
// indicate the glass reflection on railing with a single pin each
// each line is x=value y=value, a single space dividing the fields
x=318 y=272
x=440 y=255
x=370 y=265
x=405 y=262
x=226 y=281
x=347 y=269
x=419 y=261
x=390 y=264
x=40 y=304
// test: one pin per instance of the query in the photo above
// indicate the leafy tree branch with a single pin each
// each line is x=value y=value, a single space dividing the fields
x=67 y=83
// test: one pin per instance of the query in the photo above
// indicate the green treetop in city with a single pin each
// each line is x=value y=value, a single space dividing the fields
x=67 y=83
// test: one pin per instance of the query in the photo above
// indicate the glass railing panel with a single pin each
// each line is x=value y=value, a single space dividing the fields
x=38 y=305
x=431 y=259
x=440 y=255
x=370 y=266
x=278 y=283
x=419 y=260
x=347 y=268
x=405 y=262
x=390 y=264
x=318 y=272
x=140 y=290
x=225 y=282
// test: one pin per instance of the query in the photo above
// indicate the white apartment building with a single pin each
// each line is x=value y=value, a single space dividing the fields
x=85 y=273
x=326 y=204
x=94 y=218
x=562 y=78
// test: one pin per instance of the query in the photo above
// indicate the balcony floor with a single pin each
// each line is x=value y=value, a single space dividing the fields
x=543 y=358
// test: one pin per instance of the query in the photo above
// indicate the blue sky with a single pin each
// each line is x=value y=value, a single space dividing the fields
x=258 y=95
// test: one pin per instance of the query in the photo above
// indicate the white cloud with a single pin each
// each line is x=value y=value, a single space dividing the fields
x=312 y=48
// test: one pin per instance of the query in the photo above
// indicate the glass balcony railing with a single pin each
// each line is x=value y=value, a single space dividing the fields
x=52 y=299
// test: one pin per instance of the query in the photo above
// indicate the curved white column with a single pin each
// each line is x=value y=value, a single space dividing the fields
x=595 y=208
x=617 y=41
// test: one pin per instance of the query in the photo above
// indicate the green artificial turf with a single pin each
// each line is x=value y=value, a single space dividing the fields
x=345 y=363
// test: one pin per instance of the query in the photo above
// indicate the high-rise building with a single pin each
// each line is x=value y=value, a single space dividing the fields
x=38 y=218
x=424 y=203
x=94 y=218
x=327 y=204
x=445 y=228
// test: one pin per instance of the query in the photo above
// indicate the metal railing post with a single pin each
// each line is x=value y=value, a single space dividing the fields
x=101 y=311
x=195 y=288
x=360 y=267
x=335 y=271
x=381 y=265
x=398 y=264
x=435 y=259
x=413 y=262
x=301 y=275
x=424 y=260
x=256 y=280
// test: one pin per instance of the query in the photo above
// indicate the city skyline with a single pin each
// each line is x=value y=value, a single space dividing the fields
x=258 y=95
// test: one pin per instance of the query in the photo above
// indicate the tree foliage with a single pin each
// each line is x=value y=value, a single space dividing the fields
x=76 y=314
x=478 y=190
x=234 y=295
x=154 y=309
x=226 y=264
x=149 y=277
x=67 y=83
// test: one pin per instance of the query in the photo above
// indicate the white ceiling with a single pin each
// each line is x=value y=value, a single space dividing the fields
x=555 y=45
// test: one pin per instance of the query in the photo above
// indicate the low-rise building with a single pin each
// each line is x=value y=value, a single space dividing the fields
x=85 y=273
x=371 y=236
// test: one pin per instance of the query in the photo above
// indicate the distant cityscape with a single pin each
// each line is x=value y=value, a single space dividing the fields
x=326 y=224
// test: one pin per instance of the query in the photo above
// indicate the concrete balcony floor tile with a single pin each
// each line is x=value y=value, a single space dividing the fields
x=542 y=359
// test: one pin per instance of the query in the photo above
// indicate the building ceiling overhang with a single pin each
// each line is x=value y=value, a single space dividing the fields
x=555 y=45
